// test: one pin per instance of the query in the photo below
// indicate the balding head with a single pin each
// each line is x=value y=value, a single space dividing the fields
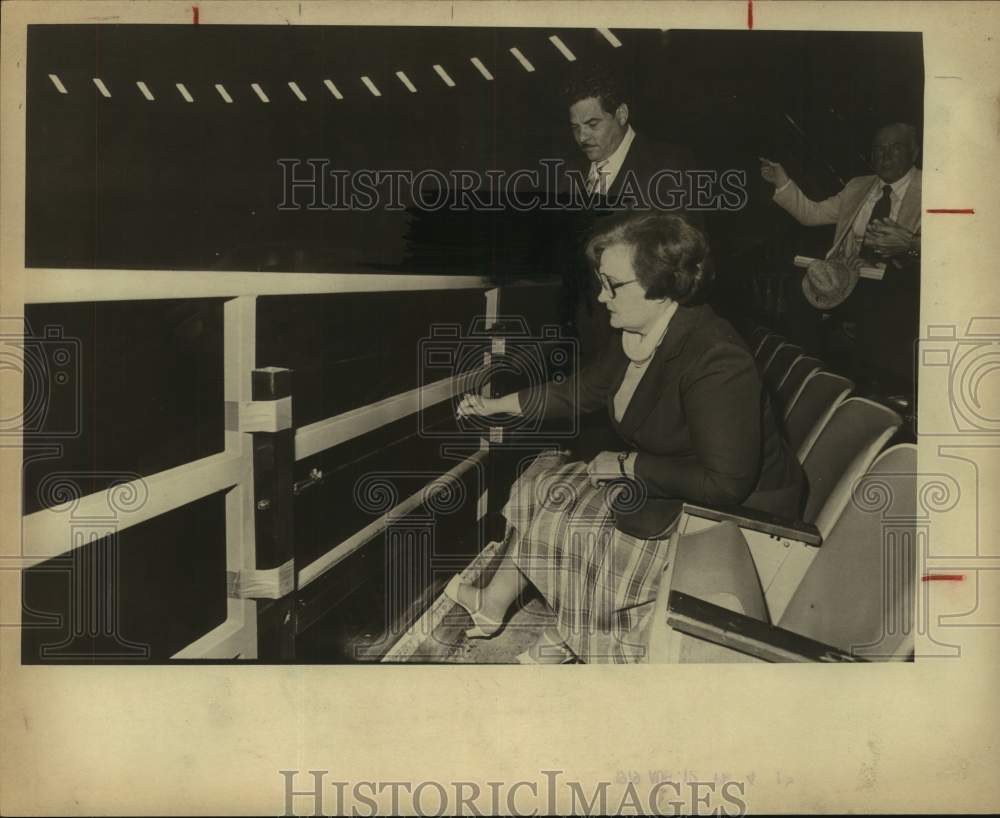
x=894 y=151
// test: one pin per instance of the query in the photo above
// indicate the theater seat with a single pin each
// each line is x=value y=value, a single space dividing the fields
x=766 y=349
x=854 y=602
x=869 y=562
x=714 y=565
x=812 y=408
x=843 y=450
x=789 y=386
x=755 y=337
x=780 y=363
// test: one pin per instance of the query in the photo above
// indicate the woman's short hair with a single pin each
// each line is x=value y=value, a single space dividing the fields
x=670 y=257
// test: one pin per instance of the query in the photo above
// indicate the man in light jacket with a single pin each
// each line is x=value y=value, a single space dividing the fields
x=877 y=219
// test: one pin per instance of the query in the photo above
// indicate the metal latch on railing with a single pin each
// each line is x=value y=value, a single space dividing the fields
x=315 y=476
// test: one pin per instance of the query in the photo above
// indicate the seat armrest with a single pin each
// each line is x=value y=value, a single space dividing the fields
x=761 y=521
x=695 y=617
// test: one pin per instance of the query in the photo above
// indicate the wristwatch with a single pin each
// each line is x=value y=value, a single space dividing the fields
x=622 y=457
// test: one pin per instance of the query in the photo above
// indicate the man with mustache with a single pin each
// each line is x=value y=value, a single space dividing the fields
x=622 y=169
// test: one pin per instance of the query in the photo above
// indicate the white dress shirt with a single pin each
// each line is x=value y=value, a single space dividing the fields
x=607 y=169
x=899 y=188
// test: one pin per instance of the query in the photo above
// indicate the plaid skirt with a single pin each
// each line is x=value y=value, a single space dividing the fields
x=600 y=583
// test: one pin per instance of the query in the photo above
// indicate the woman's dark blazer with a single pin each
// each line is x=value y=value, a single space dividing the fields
x=700 y=421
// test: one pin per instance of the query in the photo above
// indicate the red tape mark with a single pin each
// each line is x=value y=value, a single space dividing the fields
x=750 y=14
x=194 y=12
x=942 y=577
x=951 y=210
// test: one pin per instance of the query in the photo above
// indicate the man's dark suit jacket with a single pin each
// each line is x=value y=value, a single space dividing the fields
x=700 y=421
x=645 y=158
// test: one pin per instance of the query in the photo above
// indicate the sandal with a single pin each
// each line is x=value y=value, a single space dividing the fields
x=483 y=627
x=547 y=652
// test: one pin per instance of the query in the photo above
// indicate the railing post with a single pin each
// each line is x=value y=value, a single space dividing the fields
x=269 y=419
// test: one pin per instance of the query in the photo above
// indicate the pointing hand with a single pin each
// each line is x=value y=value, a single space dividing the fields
x=772 y=172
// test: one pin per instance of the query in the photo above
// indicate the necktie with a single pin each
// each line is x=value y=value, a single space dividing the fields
x=596 y=173
x=882 y=209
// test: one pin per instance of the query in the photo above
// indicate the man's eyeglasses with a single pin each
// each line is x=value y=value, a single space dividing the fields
x=885 y=150
x=612 y=287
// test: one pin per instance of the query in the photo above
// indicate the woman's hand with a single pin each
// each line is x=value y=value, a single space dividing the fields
x=473 y=405
x=604 y=468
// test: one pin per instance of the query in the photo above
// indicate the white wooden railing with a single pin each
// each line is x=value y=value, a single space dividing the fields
x=47 y=533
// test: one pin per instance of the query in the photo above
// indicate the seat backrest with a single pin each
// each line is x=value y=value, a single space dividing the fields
x=756 y=337
x=780 y=363
x=812 y=408
x=789 y=386
x=858 y=593
x=843 y=451
x=766 y=349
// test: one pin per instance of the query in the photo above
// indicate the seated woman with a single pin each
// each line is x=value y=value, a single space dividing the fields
x=695 y=424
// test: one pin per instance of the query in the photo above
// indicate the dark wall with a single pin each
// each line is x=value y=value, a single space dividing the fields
x=119 y=390
x=138 y=595
x=124 y=182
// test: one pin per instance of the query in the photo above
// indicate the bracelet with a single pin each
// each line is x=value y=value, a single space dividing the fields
x=622 y=457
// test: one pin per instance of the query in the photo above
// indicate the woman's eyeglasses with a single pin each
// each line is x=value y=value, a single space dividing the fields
x=612 y=287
